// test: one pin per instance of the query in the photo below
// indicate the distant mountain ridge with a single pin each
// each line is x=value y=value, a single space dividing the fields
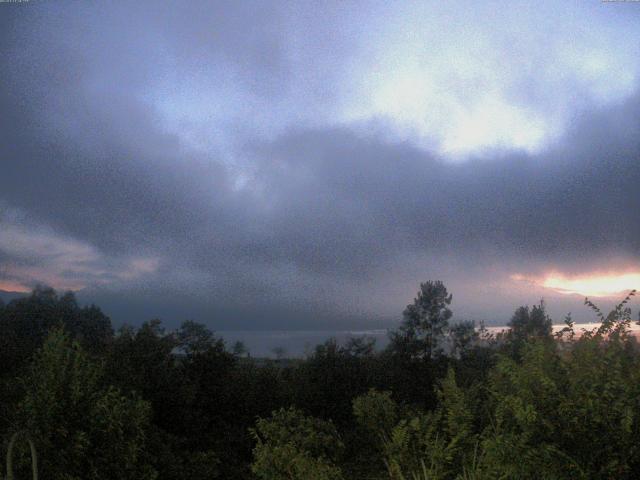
x=6 y=296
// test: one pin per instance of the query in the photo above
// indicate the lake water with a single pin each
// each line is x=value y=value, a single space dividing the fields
x=295 y=343
x=298 y=343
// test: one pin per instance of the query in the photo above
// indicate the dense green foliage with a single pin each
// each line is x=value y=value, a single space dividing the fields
x=441 y=402
x=293 y=446
x=83 y=429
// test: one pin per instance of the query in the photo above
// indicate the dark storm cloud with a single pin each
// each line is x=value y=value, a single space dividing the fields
x=311 y=222
x=576 y=199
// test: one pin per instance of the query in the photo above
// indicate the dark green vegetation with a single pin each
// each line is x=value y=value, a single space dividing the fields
x=441 y=402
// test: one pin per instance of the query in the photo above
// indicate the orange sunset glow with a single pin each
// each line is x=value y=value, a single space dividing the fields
x=590 y=285
x=10 y=286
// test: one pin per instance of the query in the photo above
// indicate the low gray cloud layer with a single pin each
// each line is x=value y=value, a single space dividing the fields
x=227 y=162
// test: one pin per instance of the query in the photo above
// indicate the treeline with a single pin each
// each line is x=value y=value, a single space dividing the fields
x=442 y=401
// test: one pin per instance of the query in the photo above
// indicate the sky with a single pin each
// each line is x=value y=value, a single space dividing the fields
x=305 y=165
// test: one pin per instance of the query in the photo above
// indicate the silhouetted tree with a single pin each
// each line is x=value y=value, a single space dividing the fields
x=279 y=352
x=462 y=336
x=193 y=337
x=527 y=325
x=25 y=322
x=239 y=349
x=359 y=346
x=141 y=360
x=424 y=322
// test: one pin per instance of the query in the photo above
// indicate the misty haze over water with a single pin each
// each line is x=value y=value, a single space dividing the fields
x=300 y=343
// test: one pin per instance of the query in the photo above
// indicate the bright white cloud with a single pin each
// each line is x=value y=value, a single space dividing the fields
x=484 y=77
x=460 y=78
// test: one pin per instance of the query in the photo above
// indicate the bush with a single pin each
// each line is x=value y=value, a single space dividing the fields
x=292 y=446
